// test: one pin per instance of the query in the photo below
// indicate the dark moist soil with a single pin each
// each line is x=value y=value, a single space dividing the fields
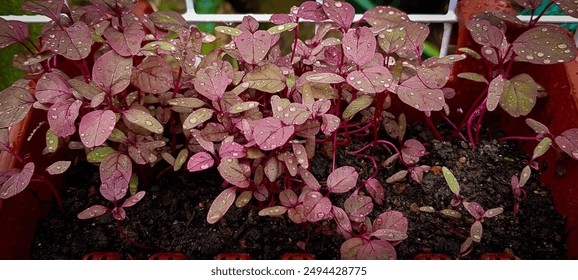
x=172 y=216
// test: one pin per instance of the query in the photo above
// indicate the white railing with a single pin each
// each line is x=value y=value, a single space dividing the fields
x=191 y=16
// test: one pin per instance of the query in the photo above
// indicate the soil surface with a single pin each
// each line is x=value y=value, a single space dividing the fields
x=172 y=216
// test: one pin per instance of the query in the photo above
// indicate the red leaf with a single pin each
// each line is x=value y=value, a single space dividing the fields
x=92 y=212
x=211 y=82
x=51 y=9
x=11 y=32
x=270 y=133
x=253 y=47
x=474 y=209
x=316 y=206
x=484 y=33
x=96 y=126
x=370 y=80
x=413 y=148
x=134 y=199
x=249 y=24
x=52 y=88
x=309 y=179
x=200 y=161
x=73 y=43
x=414 y=93
x=359 y=45
x=310 y=10
x=377 y=250
x=330 y=123
x=128 y=42
x=295 y=114
x=153 y=75
x=358 y=207
x=115 y=7
x=111 y=72
x=545 y=45
x=221 y=205
x=393 y=220
x=234 y=173
x=342 y=221
x=350 y=248
x=15 y=103
x=232 y=149
x=17 y=182
x=375 y=190
x=342 y=179
x=115 y=173
x=568 y=142
x=62 y=117
x=288 y=198
x=341 y=13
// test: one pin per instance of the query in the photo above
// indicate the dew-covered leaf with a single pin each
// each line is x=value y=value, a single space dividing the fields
x=51 y=9
x=311 y=10
x=143 y=119
x=17 y=182
x=342 y=220
x=73 y=43
x=316 y=206
x=391 y=40
x=361 y=102
x=232 y=149
x=569 y=7
x=62 y=117
x=393 y=220
x=169 y=20
x=15 y=102
x=228 y=30
x=389 y=235
x=473 y=77
x=11 y=32
x=186 y=102
x=434 y=76
x=134 y=199
x=416 y=34
x=52 y=142
x=197 y=117
x=519 y=95
x=341 y=13
x=342 y=179
x=153 y=75
x=537 y=126
x=234 y=173
x=474 y=209
x=359 y=45
x=200 y=161
x=377 y=250
x=51 y=88
x=111 y=72
x=470 y=52
x=271 y=169
x=325 y=78
x=370 y=80
x=451 y=213
x=317 y=90
x=288 y=198
x=484 y=33
x=545 y=45
x=92 y=212
x=493 y=212
x=385 y=17
x=542 y=147
x=96 y=126
x=413 y=148
x=495 y=91
x=99 y=154
x=375 y=190
x=282 y=28
x=568 y=142
x=300 y=153
x=396 y=177
x=115 y=174
x=253 y=47
x=212 y=82
x=243 y=199
x=273 y=211
x=128 y=42
x=414 y=93
x=330 y=123
x=268 y=78
x=58 y=167
x=270 y=133
x=350 y=248
x=242 y=107
x=451 y=180
x=221 y=205
x=115 y=7
x=358 y=207
x=476 y=231
x=309 y=179
x=295 y=114
x=533 y=4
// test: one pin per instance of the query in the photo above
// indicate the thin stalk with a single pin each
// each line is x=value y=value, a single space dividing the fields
x=295 y=39
x=433 y=128
x=522 y=138
x=454 y=126
x=127 y=238
x=43 y=180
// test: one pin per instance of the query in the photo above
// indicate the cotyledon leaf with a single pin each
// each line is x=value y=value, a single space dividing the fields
x=361 y=102
x=99 y=154
x=144 y=120
x=58 y=167
x=282 y=28
x=197 y=117
x=451 y=180
x=221 y=205
x=542 y=147
x=545 y=45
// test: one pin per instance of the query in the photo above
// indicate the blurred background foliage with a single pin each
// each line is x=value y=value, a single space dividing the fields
x=13 y=7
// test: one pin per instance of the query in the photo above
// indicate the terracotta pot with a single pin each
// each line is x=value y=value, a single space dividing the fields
x=233 y=256
x=168 y=256
x=297 y=256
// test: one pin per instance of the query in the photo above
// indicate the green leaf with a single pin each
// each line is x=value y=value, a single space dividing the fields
x=542 y=147
x=181 y=159
x=451 y=180
x=268 y=78
x=470 y=52
x=519 y=96
x=58 y=167
x=99 y=154
x=228 y=30
x=451 y=213
x=361 y=102
x=133 y=184
x=51 y=141
x=197 y=117
x=282 y=28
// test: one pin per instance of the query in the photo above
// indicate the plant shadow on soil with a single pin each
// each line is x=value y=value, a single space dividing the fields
x=172 y=216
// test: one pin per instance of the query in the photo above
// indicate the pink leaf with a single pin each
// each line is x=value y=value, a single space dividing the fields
x=474 y=209
x=414 y=93
x=476 y=231
x=96 y=126
x=413 y=148
x=111 y=72
x=17 y=182
x=434 y=76
x=341 y=13
x=569 y=7
x=385 y=17
x=153 y=75
x=568 y=142
x=532 y=4
x=545 y=45
x=288 y=198
x=115 y=173
x=330 y=123
x=212 y=82
x=200 y=161
x=370 y=80
x=301 y=154
x=118 y=213
x=169 y=20
x=249 y=24
x=342 y=179
x=495 y=91
x=350 y=248
x=375 y=190
x=221 y=205
x=14 y=105
x=316 y=206
x=393 y=220
x=270 y=133
x=295 y=114
x=128 y=42
x=358 y=207
x=342 y=221
x=232 y=149
x=271 y=169
x=134 y=199
x=389 y=235
x=73 y=43
x=253 y=47
x=115 y=7
x=261 y=193
x=52 y=88
x=310 y=10
x=51 y=9
x=234 y=173
x=484 y=33
x=392 y=40
x=309 y=179
x=11 y=32
x=58 y=167
x=62 y=117
x=325 y=78
x=267 y=77
x=377 y=250
x=359 y=45
x=92 y=212
x=280 y=19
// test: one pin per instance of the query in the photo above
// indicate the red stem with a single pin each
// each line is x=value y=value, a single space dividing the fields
x=127 y=238
x=43 y=180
